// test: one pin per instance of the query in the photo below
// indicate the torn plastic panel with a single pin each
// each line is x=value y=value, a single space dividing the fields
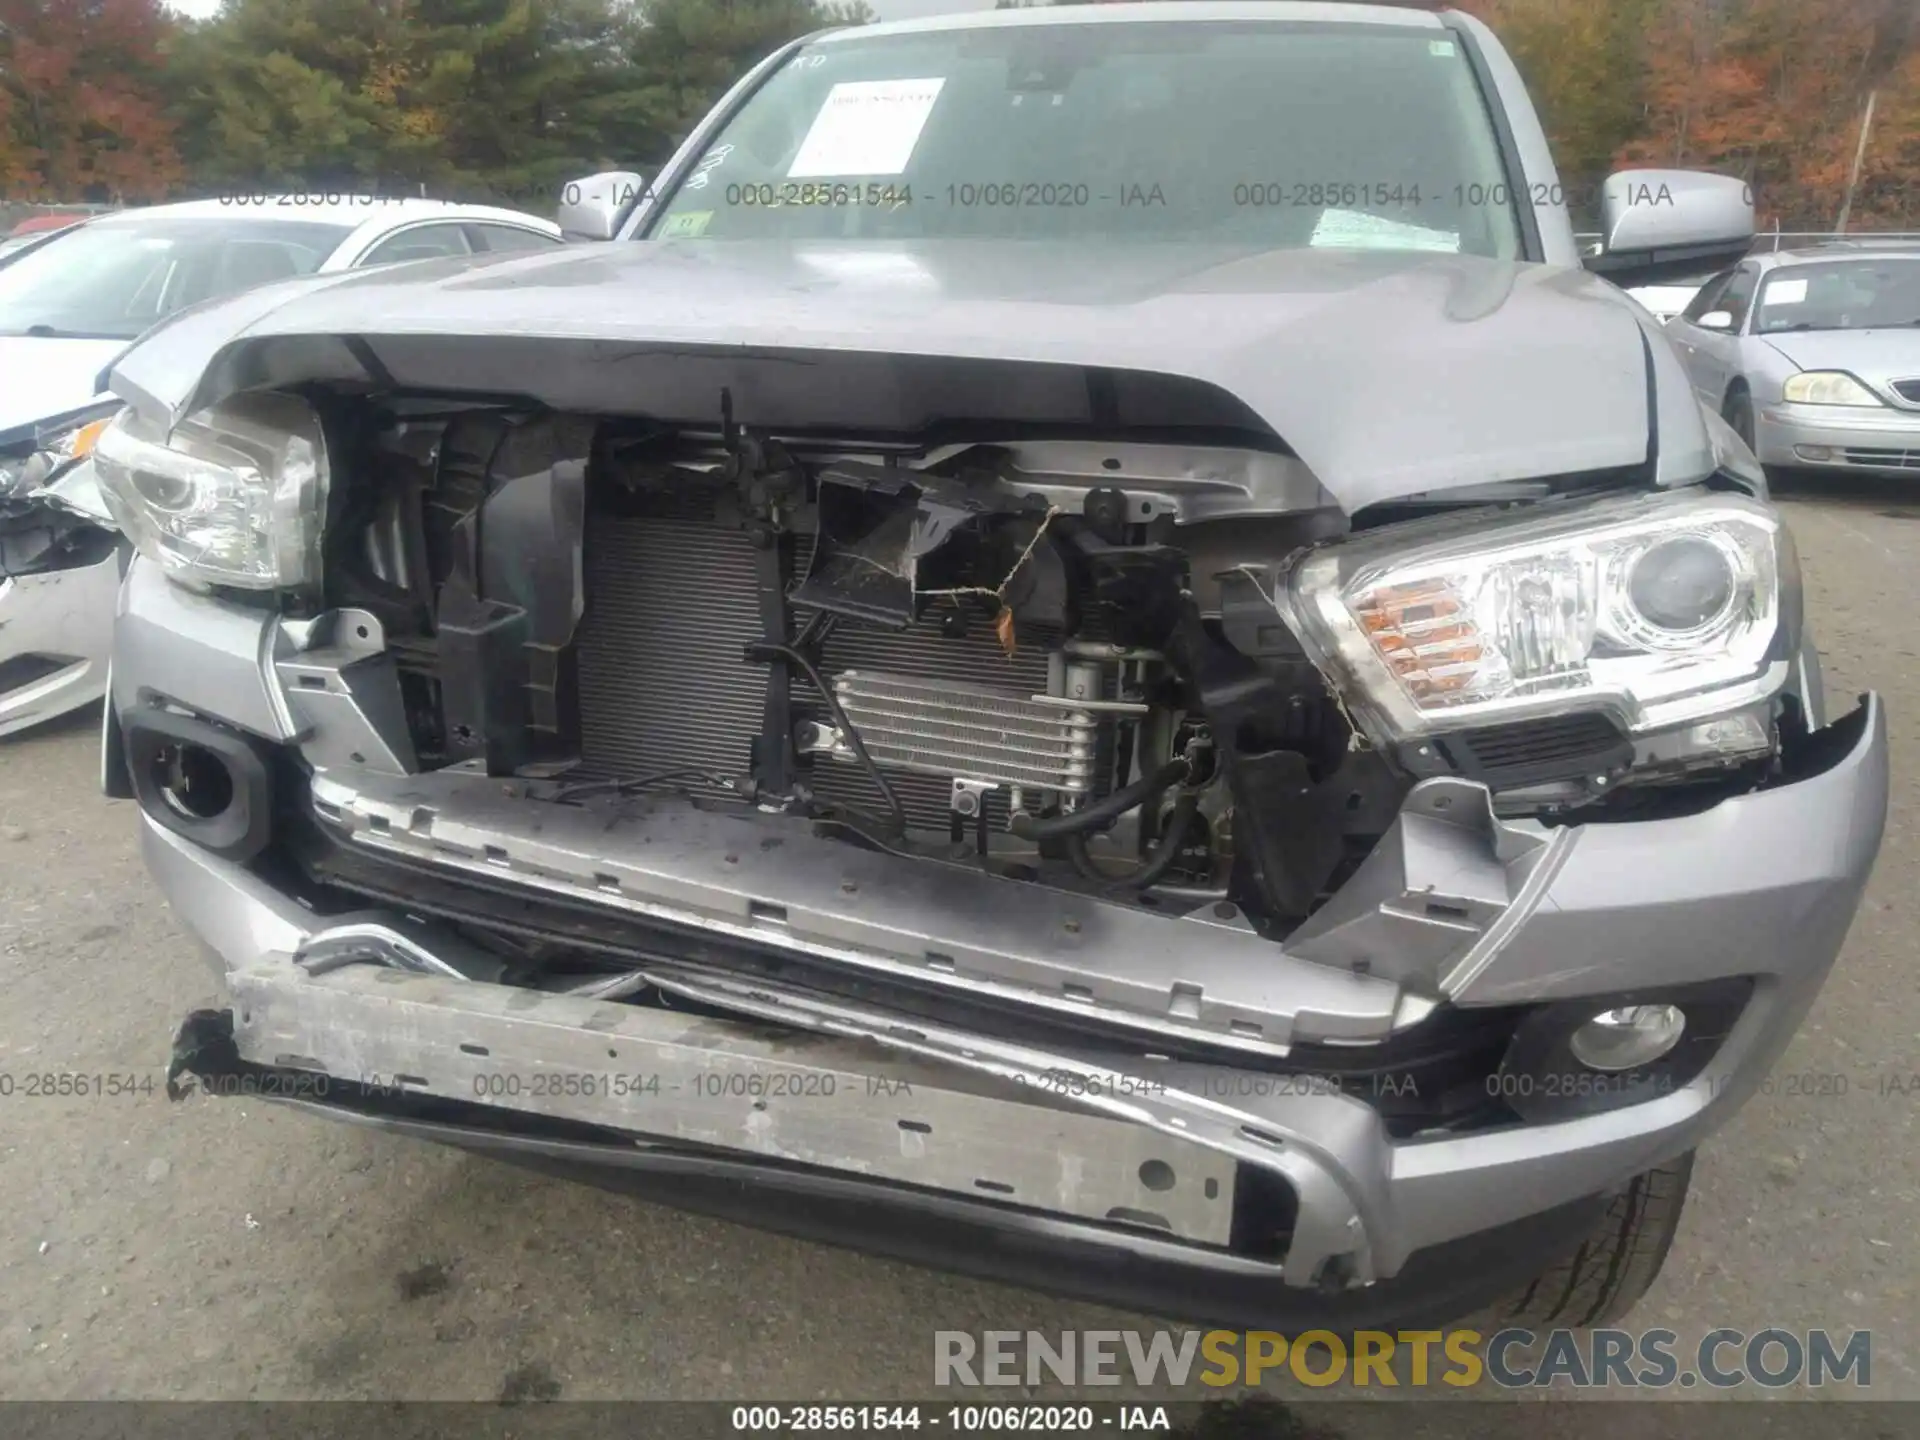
x=34 y=455
x=495 y=508
x=37 y=538
x=872 y=548
x=51 y=514
x=44 y=530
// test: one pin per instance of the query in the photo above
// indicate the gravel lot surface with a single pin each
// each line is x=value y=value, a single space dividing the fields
x=229 y=1249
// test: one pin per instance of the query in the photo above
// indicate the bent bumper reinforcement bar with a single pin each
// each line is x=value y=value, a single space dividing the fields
x=805 y=1099
x=1366 y=1202
x=1451 y=871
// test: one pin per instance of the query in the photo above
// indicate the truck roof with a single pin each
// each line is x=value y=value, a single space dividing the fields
x=1289 y=11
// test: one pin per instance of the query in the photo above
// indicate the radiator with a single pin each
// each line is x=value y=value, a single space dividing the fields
x=671 y=605
x=662 y=682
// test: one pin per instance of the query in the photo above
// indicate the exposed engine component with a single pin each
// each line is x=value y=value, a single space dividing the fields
x=969 y=732
x=929 y=660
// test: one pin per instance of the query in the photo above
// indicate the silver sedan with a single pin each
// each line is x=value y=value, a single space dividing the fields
x=1814 y=356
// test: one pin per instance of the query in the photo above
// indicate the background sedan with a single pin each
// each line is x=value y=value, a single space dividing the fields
x=1814 y=356
x=70 y=304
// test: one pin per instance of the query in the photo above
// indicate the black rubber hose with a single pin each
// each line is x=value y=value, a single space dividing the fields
x=1167 y=848
x=1104 y=810
x=854 y=742
x=1076 y=848
x=1159 y=860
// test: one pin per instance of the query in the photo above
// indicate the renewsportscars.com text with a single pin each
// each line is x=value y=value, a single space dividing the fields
x=1510 y=1359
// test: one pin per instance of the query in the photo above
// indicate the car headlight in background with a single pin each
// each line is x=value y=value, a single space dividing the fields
x=1659 y=610
x=31 y=456
x=1828 y=387
x=236 y=495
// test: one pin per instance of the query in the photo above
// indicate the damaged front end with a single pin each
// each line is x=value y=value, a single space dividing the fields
x=61 y=561
x=1079 y=830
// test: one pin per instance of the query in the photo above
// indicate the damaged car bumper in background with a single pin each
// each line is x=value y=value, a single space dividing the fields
x=958 y=1091
x=61 y=562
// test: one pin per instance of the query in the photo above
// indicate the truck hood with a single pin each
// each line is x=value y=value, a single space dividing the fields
x=1389 y=374
x=41 y=378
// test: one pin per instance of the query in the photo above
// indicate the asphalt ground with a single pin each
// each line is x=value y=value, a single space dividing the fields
x=229 y=1249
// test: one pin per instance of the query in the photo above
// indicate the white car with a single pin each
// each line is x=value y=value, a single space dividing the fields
x=68 y=306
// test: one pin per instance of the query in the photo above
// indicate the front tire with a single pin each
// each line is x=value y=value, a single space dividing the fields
x=1615 y=1265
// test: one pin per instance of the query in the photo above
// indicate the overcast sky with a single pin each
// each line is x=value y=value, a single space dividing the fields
x=885 y=9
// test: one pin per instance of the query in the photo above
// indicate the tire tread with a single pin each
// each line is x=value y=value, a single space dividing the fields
x=1615 y=1265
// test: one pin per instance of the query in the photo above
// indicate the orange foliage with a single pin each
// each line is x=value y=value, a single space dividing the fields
x=78 y=118
x=1772 y=90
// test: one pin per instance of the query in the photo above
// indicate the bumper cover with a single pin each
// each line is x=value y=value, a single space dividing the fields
x=1366 y=1204
x=1885 y=441
x=63 y=621
x=1455 y=907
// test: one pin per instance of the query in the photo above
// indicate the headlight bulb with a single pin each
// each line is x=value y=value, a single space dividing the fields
x=1683 y=584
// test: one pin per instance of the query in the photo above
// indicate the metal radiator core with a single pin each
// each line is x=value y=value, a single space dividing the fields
x=927 y=652
x=671 y=606
x=662 y=681
x=940 y=728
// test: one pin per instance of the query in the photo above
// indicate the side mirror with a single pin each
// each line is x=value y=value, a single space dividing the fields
x=1669 y=224
x=592 y=207
x=1716 y=320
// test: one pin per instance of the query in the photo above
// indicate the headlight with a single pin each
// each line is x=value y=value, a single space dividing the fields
x=235 y=496
x=29 y=458
x=1658 y=610
x=1828 y=387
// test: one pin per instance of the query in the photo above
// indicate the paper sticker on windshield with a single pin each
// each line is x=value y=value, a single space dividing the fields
x=1787 y=292
x=1358 y=230
x=1440 y=47
x=687 y=222
x=866 y=127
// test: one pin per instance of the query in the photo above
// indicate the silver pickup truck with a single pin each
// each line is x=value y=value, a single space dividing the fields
x=1085 y=650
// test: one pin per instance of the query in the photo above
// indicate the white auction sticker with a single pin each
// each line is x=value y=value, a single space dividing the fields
x=1787 y=292
x=866 y=127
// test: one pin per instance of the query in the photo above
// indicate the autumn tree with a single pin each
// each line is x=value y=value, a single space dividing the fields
x=477 y=99
x=284 y=94
x=511 y=96
x=1773 y=90
x=686 y=53
x=1770 y=90
x=19 y=170
x=81 y=116
x=507 y=98
x=1584 y=65
x=1889 y=195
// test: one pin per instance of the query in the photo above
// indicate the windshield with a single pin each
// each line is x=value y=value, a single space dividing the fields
x=112 y=279
x=1272 y=134
x=1841 y=295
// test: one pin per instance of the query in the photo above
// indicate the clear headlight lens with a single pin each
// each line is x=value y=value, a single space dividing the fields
x=236 y=495
x=1659 y=610
x=1828 y=387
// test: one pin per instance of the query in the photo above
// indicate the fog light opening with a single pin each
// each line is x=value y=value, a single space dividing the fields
x=1629 y=1037
x=194 y=782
